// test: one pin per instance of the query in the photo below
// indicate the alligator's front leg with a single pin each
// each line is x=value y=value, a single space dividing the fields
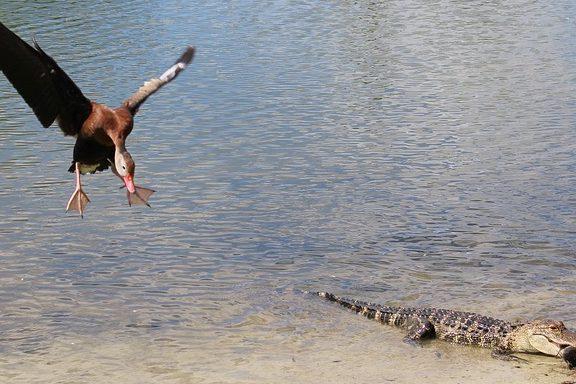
x=419 y=328
x=502 y=354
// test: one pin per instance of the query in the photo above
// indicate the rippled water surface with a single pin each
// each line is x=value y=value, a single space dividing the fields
x=405 y=152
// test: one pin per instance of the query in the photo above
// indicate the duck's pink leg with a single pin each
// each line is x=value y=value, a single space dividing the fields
x=79 y=200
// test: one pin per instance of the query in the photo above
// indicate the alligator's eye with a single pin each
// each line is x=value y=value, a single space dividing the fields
x=554 y=327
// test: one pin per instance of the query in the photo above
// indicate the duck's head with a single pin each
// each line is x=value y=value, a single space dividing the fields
x=125 y=167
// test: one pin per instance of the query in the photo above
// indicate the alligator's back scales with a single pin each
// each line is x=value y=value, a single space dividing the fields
x=548 y=337
x=454 y=326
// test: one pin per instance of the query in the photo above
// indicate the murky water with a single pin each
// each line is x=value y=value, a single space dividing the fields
x=404 y=152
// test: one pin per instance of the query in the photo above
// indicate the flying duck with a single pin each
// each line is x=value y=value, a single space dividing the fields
x=100 y=131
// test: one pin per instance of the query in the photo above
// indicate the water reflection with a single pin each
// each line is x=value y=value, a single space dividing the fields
x=401 y=152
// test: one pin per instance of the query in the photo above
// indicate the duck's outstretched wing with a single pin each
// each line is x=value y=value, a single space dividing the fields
x=151 y=86
x=45 y=87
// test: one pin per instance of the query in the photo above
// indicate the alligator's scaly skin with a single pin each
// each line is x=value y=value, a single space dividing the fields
x=548 y=337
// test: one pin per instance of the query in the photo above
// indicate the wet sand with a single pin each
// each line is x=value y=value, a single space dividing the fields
x=321 y=342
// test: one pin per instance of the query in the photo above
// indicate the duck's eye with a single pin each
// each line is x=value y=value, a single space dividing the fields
x=124 y=167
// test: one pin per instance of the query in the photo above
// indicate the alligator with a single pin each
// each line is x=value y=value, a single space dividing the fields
x=548 y=337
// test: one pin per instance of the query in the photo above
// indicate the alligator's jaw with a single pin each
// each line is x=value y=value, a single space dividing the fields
x=548 y=337
x=543 y=345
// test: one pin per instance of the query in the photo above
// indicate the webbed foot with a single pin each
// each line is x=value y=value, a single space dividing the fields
x=140 y=196
x=78 y=201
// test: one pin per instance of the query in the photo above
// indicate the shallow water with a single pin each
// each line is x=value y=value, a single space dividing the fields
x=404 y=152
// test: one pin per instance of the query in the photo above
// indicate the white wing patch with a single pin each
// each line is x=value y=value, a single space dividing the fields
x=172 y=72
x=153 y=85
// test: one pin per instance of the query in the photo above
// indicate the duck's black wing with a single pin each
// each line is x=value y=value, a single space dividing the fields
x=45 y=87
x=151 y=86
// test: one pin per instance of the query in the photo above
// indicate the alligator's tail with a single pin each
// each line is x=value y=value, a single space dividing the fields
x=372 y=311
x=355 y=305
